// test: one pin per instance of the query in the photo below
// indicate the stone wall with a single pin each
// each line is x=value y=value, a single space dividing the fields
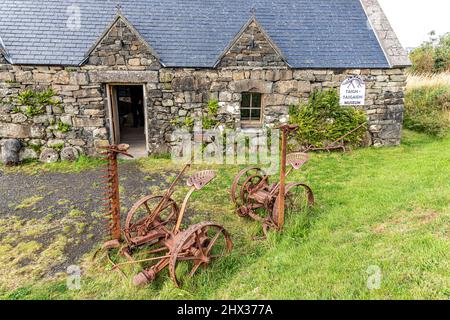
x=173 y=94
x=120 y=57
x=177 y=94
x=2 y=58
x=122 y=48
x=82 y=108
x=187 y=91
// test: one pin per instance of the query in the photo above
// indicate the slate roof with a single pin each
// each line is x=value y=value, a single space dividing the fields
x=194 y=33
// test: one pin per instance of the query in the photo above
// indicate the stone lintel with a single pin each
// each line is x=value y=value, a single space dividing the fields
x=252 y=86
x=123 y=76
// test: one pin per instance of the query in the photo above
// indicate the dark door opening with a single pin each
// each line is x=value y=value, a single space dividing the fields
x=129 y=121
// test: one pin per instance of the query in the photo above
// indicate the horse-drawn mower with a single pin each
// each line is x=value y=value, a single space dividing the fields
x=255 y=197
x=153 y=227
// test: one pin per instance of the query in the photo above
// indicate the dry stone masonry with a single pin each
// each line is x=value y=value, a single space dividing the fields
x=2 y=58
x=189 y=90
x=121 y=48
x=251 y=63
x=253 y=48
x=180 y=93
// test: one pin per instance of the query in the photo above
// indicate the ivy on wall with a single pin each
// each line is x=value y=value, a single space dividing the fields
x=209 y=119
x=33 y=103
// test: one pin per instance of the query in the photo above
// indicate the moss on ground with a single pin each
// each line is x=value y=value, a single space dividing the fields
x=29 y=202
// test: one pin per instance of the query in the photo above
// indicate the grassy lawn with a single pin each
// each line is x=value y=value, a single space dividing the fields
x=377 y=209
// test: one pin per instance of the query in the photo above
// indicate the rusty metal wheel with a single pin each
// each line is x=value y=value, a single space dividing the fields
x=198 y=246
x=248 y=186
x=239 y=181
x=243 y=181
x=299 y=196
x=141 y=218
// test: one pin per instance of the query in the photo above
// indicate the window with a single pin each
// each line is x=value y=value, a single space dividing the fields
x=251 y=108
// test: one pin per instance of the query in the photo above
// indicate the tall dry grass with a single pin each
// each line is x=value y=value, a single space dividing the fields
x=416 y=81
x=427 y=103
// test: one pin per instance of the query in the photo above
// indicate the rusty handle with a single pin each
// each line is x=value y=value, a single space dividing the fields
x=282 y=186
x=311 y=147
x=187 y=166
x=183 y=210
x=168 y=193
x=349 y=133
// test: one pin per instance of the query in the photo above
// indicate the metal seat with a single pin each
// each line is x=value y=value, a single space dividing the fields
x=201 y=179
x=297 y=160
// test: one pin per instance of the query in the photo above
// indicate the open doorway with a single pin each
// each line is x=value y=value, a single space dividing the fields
x=128 y=117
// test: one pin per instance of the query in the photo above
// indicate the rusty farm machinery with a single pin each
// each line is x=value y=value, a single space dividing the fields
x=153 y=227
x=255 y=197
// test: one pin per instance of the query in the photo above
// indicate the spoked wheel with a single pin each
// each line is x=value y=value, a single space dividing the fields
x=239 y=181
x=248 y=186
x=198 y=246
x=299 y=196
x=142 y=216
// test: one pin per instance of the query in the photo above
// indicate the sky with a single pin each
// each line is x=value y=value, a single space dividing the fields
x=412 y=20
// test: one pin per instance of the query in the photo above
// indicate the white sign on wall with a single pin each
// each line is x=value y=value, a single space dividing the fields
x=353 y=92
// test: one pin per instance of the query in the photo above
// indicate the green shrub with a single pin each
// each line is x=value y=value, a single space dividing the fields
x=36 y=147
x=433 y=56
x=422 y=59
x=58 y=147
x=323 y=120
x=427 y=110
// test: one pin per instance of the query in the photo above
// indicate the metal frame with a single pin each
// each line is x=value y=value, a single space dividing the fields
x=154 y=230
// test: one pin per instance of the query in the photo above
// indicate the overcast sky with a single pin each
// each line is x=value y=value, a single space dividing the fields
x=412 y=20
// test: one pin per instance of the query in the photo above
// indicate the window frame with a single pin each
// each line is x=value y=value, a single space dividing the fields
x=252 y=122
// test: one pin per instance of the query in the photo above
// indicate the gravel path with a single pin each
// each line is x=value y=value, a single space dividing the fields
x=56 y=204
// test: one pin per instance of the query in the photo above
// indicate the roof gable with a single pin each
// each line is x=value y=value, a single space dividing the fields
x=252 y=44
x=395 y=53
x=120 y=42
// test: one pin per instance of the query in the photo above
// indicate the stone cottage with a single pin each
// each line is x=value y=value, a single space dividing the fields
x=129 y=72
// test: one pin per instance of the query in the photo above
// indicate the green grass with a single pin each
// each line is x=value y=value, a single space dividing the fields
x=34 y=167
x=386 y=207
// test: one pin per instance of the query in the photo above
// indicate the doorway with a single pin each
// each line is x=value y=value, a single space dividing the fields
x=129 y=117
